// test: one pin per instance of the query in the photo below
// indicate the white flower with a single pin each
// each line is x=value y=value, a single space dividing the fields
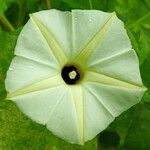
x=74 y=72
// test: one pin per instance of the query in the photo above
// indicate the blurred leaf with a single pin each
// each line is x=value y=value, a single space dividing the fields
x=87 y=4
x=4 y=4
x=54 y=148
x=61 y=5
x=120 y=128
x=139 y=132
x=109 y=140
x=133 y=129
x=145 y=70
x=147 y=96
x=84 y=4
x=7 y=44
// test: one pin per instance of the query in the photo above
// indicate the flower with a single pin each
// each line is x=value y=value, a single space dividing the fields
x=74 y=72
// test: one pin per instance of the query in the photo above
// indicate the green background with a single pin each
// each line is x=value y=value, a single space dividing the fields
x=130 y=131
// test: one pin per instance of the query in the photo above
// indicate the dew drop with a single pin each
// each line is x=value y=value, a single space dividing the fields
x=90 y=20
x=10 y=68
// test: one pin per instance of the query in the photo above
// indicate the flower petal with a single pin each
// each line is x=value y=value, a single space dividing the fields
x=77 y=95
x=115 y=99
x=96 y=116
x=123 y=66
x=53 y=107
x=50 y=82
x=94 y=32
x=115 y=41
x=107 y=80
x=85 y=24
x=58 y=23
x=64 y=121
x=38 y=105
x=32 y=45
x=110 y=80
x=23 y=72
x=51 y=41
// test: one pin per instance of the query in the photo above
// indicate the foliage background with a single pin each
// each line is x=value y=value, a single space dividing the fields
x=130 y=131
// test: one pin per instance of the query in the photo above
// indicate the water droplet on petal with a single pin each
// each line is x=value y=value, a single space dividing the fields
x=10 y=68
x=90 y=20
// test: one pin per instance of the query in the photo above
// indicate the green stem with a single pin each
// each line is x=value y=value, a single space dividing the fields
x=6 y=23
x=90 y=3
x=48 y=3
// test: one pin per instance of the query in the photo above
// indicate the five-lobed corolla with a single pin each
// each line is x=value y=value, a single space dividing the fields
x=74 y=72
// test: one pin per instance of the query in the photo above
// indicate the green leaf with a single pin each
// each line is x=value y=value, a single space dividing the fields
x=133 y=130
x=147 y=96
x=88 y=4
x=4 y=4
x=139 y=132
x=84 y=4
x=7 y=44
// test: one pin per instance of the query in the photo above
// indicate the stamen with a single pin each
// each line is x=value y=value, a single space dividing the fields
x=72 y=74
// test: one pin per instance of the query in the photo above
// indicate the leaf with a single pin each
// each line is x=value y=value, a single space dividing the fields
x=139 y=128
x=89 y=4
x=129 y=128
x=4 y=4
x=146 y=97
x=145 y=71
x=7 y=44
x=84 y=4
x=54 y=148
x=60 y=5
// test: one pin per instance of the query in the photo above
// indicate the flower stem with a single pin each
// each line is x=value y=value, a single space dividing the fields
x=6 y=23
x=48 y=3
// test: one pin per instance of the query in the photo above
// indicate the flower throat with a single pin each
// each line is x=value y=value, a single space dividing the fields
x=70 y=74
